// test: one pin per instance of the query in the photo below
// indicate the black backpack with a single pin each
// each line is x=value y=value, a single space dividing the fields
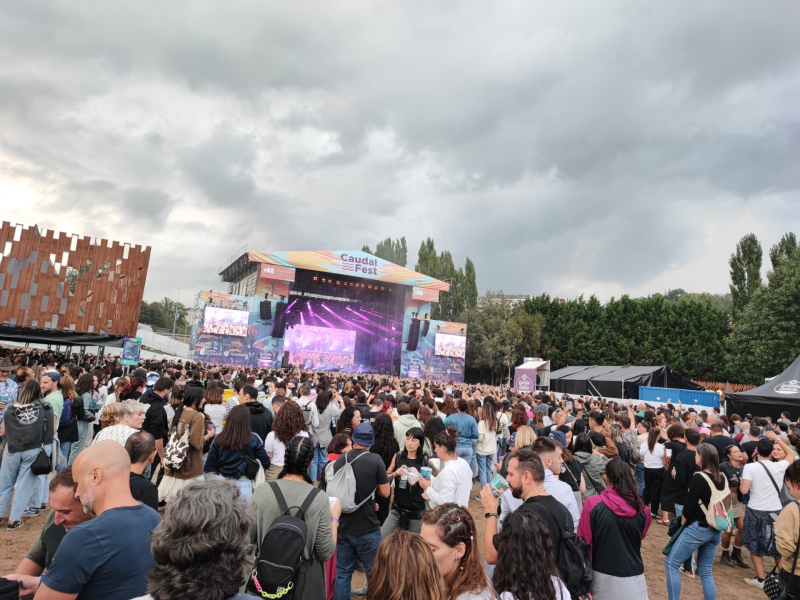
x=280 y=571
x=575 y=564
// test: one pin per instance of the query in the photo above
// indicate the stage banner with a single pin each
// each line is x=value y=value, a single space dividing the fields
x=276 y=272
x=350 y=262
x=425 y=295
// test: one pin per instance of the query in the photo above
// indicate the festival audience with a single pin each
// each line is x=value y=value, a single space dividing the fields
x=450 y=533
x=407 y=503
x=288 y=423
x=614 y=524
x=107 y=557
x=233 y=451
x=405 y=569
x=453 y=482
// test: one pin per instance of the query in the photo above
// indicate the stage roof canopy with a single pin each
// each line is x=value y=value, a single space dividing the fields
x=346 y=262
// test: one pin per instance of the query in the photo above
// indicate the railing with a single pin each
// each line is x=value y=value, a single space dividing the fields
x=233 y=258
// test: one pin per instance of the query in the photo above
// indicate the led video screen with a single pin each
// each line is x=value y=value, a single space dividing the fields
x=224 y=321
x=450 y=345
x=320 y=348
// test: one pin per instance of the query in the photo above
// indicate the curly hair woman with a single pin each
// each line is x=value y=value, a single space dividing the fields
x=526 y=566
x=348 y=420
x=405 y=570
x=289 y=422
x=450 y=533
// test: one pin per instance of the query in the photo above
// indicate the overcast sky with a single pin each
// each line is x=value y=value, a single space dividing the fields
x=597 y=147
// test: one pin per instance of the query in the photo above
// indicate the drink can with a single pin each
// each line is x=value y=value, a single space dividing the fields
x=498 y=485
x=426 y=473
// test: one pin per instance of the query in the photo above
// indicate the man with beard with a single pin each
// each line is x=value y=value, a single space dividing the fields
x=526 y=482
x=108 y=557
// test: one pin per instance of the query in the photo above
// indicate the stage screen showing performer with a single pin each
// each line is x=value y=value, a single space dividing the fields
x=450 y=345
x=320 y=348
x=223 y=321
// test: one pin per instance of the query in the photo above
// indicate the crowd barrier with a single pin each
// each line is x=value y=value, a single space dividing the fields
x=675 y=396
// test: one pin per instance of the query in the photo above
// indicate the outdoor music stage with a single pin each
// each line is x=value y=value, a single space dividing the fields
x=342 y=311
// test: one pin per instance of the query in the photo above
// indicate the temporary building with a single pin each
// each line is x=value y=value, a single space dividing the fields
x=531 y=373
x=770 y=399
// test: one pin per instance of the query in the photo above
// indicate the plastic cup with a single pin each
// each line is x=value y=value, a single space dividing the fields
x=426 y=473
x=498 y=485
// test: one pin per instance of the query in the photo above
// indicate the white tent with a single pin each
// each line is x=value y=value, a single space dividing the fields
x=525 y=375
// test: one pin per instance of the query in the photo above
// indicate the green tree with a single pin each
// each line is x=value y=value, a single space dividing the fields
x=784 y=250
x=745 y=271
x=162 y=314
x=463 y=294
x=766 y=337
x=394 y=251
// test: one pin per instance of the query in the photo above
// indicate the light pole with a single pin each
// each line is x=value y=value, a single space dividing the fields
x=175 y=316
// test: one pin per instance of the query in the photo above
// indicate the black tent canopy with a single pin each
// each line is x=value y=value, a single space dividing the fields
x=770 y=399
x=625 y=382
x=557 y=376
x=578 y=383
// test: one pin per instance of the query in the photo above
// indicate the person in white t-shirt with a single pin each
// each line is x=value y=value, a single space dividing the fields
x=454 y=482
x=653 y=459
x=763 y=479
x=289 y=422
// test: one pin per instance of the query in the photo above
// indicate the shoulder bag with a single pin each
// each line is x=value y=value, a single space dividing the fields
x=774 y=587
x=177 y=447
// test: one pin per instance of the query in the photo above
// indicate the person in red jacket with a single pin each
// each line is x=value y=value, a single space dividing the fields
x=614 y=524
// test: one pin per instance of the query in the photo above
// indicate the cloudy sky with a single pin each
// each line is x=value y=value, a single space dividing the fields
x=605 y=147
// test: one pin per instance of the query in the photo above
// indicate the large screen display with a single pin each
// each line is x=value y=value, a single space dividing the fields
x=320 y=348
x=224 y=321
x=450 y=345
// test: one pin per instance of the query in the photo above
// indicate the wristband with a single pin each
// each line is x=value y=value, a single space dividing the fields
x=335 y=519
x=489 y=514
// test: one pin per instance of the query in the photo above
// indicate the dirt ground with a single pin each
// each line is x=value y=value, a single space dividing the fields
x=730 y=585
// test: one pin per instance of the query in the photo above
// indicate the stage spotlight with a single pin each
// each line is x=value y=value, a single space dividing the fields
x=315 y=278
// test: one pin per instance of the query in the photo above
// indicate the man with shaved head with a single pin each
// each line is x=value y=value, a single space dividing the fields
x=109 y=556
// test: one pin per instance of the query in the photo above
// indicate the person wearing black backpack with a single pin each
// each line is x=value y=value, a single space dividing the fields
x=277 y=501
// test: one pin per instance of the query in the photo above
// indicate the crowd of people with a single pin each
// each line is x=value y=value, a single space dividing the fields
x=182 y=480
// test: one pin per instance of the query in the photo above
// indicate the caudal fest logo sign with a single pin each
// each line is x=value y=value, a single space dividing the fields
x=788 y=387
x=360 y=264
x=524 y=384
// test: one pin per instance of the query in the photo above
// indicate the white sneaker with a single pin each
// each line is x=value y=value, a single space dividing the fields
x=755 y=582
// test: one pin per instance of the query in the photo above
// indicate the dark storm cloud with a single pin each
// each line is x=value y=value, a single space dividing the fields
x=578 y=147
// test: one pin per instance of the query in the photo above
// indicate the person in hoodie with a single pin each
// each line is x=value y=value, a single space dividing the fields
x=614 y=524
x=226 y=456
x=406 y=421
x=260 y=417
x=156 y=422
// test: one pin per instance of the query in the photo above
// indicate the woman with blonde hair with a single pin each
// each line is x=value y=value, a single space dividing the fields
x=109 y=416
x=405 y=569
x=129 y=417
x=119 y=385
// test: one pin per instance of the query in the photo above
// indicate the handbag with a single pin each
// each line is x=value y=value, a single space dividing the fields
x=253 y=466
x=41 y=466
x=774 y=587
x=177 y=448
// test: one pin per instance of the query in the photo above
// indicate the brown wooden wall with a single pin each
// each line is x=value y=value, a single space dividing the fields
x=50 y=280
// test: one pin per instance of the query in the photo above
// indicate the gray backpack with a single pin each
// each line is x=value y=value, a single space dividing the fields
x=342 y=485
